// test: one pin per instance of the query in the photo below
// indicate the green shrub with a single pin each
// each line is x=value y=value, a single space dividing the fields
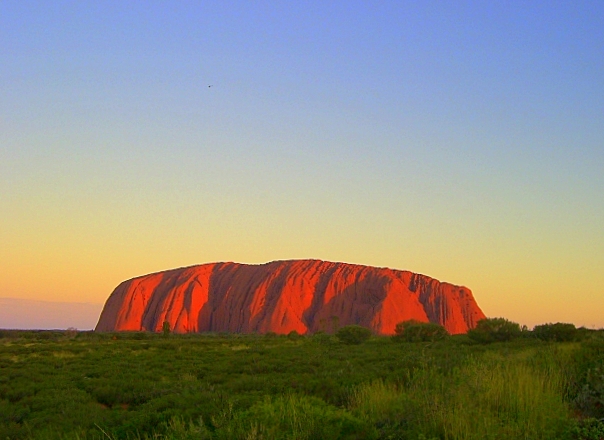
x=166 y=328
x=295 y=417
x=321 y=337
x=178 y=429
x=378 y=402
x=490 y=397
x=586 y=378
x=559 y=332
x=495 y=399
x=588 y=429
x=195 y=386
x=415 y=331
x=495 y=330
x=353 y=334
x=590 y=398
x=294 y=335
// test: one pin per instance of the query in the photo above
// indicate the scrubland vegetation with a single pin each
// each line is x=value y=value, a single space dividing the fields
x=541 y=384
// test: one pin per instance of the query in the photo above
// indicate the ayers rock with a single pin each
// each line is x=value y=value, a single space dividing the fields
x=281 y=296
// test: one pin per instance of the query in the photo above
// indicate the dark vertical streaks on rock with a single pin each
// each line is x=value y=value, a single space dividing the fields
x=319 y=293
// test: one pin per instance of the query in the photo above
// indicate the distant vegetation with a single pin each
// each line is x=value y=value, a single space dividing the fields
x=415 y=331
x=353 y=334
x=495 y=330
x=542 y=384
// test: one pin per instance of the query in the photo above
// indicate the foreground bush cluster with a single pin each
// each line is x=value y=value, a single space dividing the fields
x=78 y=385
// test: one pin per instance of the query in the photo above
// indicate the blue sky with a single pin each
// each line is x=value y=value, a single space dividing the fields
x=461 y=140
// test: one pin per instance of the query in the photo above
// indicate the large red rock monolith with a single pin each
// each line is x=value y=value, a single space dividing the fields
x=281 y=296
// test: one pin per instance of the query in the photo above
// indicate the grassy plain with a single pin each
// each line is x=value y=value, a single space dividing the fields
x=84 y=385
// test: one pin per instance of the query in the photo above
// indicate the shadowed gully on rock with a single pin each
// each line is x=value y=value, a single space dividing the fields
x=281 y=296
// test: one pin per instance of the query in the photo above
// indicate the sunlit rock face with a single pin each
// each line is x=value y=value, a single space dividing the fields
x=281 y=296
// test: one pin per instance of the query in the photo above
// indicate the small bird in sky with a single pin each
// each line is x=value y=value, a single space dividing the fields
x=210 y=85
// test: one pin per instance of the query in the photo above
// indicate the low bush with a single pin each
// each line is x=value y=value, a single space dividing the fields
x=487 y=398
x=588 y=429
x=293 y=335
x=144 y=386
x=165 y=328
x=295 y=417
x=590 y=395
x=321 y=337
x=415 y=331
x=353 y=334
x=495 y=330
x=559 y=332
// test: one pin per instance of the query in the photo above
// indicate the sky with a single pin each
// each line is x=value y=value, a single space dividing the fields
x=461 y=140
